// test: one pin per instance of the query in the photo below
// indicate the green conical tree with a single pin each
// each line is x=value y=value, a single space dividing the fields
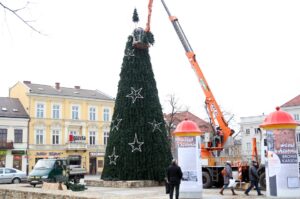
x=135 y=16
x=137 y=147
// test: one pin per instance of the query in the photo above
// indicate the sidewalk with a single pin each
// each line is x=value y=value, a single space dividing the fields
x=14 y=191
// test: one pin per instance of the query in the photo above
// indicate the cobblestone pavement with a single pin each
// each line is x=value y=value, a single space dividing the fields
x=129 y=193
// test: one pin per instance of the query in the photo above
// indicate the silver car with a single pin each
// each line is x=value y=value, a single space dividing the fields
x=11 y=175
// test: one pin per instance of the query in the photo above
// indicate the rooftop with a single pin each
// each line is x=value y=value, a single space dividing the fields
x=293 y=102
x=203 y=125
x=57 y=90
x=12 y=108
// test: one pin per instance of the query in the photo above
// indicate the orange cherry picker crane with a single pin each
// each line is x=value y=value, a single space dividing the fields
x=211 y=169
x=211 y=173
x=213 y=109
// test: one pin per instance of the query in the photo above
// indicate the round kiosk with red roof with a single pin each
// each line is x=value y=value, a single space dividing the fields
x=188 y=144
x=282 y=167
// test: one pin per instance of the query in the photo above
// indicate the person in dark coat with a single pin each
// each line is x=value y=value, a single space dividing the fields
x=174 y=175
x=254 y=178
x=227 y=177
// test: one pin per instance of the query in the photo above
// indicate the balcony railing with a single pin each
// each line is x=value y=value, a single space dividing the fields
x=6 y=145
x=76 y=146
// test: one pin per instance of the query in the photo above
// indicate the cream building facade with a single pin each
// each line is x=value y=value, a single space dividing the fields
x=66 y=122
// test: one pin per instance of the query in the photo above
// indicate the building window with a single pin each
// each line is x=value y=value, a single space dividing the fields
x=298 y=137
x=40 y=110
x=75 y=112
x=17 y=162
x=257 y=130
x=3 y=136
x=92 y=113
x=106 y=115
x=248 y=146
x=106 y=135
x=92 y=137
x=258 y=147
x=18 y=136
x=55 y=111
x=296 y=117
x=2 y=162
x=55 y=136
x=73 y=133
x=247 y=131
x=39 y=136
x=226 y=151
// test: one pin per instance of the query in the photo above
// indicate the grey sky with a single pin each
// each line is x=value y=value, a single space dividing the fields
x=248 y=50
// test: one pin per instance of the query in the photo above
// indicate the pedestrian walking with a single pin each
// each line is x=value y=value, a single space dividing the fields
x=253 y=176
x=174 y=175
x=227 y=174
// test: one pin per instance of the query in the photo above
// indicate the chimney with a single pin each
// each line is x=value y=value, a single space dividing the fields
x=57 y=85
x=77 y=87
x=27 y=82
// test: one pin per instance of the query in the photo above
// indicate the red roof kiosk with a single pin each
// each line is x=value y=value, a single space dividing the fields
x=282 y=167
x=188 y=145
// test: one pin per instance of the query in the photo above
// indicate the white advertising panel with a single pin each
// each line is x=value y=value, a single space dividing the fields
x=189 y=159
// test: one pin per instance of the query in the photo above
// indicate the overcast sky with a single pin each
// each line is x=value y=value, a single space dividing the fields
x=248 y=50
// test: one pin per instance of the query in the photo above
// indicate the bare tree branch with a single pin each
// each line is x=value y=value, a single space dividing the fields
x=15 y=13
x=173 y=102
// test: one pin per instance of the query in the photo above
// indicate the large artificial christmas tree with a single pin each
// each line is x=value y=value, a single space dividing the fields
x=137 y=148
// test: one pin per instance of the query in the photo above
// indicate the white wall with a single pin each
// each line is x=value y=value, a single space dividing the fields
x=251 y=123
x=15 y=123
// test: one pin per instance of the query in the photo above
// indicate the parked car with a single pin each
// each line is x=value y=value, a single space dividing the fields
x=11 y=175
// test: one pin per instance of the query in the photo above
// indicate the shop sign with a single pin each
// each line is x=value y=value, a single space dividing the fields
x=77 y=138
x=96 y=154
x=18 y=152
x=49 y=153
x=55 y=153
x=41 y=153
x=3 y=152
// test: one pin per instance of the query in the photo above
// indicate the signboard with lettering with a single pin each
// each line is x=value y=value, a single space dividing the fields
x=282 y=163
x=51 y=153
x=96 y=154
x=190 y=162
x=77 y=138
x=18 y=152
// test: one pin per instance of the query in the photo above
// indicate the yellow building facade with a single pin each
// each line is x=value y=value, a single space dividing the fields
x=66 y=122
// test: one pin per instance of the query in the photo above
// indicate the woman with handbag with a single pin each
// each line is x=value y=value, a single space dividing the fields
x=227 y=175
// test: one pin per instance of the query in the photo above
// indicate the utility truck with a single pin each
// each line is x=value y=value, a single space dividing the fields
x=55 y=170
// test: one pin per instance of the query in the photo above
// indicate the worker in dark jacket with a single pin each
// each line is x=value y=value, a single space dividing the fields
x=226 y=177
x=253 y=177
x=174 y=175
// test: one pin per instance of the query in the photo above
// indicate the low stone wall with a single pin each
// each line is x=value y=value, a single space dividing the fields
x=8 y=192
x=123 y=184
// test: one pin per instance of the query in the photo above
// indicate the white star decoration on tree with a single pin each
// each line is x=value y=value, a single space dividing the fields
x=134 y=144
x=135 y=94
x=129 y=52
x=113 y=158
x=155 y=125
x=116 y=123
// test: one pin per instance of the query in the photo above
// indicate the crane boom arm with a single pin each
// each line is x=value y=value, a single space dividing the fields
x=150 y=3
x=213 y=108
